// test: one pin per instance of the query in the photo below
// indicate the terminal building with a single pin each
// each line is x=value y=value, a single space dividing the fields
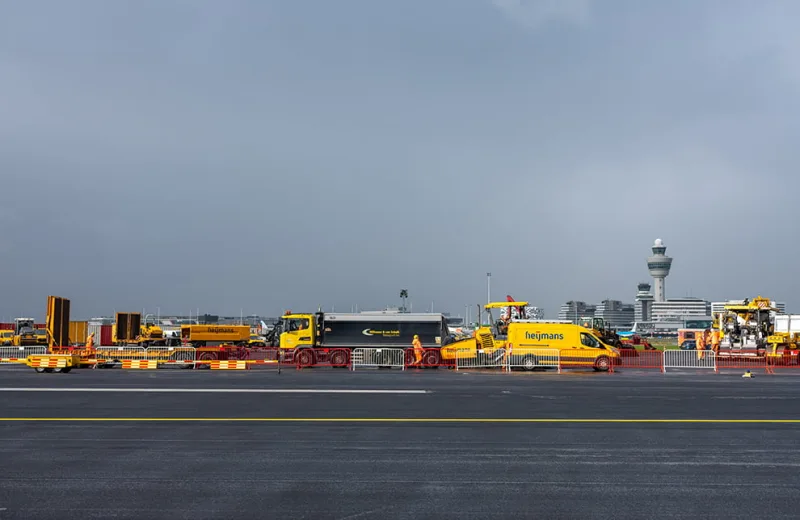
x=575 y=310
x=615 y=314
x=679 y=308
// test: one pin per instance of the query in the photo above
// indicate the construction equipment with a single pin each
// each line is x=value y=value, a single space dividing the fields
x=57 y=323
x=601 y=330
x=745 y=325
x=754 y=328
x=25 y=334
x=215 y=335
x=311 y=339
x=128 y=329
x=786 y=336
x=581 y=346
x=628 y=345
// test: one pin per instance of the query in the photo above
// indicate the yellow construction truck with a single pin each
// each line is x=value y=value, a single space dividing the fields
x=330 y=338
x=526 y=344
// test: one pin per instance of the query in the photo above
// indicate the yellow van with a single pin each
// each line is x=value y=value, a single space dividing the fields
x=531 y=344
x=6 y=337
x=575 y=345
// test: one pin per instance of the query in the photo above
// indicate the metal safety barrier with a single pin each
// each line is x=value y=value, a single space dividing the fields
x=466 y=358
x=19 y=353
x=689 y=359
x=177 y=355
x=529 y=358
x=378 y=357
x=118 y=354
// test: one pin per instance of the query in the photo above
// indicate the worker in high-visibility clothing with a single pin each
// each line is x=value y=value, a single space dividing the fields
x=90 y=341
x=715 y=340
x=700 y=342
x=418 y=350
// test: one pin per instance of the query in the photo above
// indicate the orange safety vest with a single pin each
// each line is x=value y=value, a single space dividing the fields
x=700 y=340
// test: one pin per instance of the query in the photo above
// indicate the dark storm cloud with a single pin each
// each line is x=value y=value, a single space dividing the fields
x=272 y=155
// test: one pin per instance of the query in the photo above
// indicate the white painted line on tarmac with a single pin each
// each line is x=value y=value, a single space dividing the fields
x=755 y=397
x=219 y=390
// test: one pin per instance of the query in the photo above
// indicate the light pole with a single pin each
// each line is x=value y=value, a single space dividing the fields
x=488 y=287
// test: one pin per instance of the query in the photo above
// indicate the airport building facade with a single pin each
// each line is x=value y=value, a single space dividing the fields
x=676 y=309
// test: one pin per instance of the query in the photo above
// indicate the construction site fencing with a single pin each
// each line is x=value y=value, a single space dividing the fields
x=782 y=361
x=19 y=353
x=725 y=361
x=469 y=358
x=119 y=354
x=378 y=358
x=177 y=355
x=533 y=358
x=689 y=359
x=426 y=358
x=641 y=360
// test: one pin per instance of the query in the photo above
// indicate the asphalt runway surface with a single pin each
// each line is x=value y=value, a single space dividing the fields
x=321 y=444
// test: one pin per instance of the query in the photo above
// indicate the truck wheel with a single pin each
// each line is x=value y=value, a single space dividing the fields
x=602 y=364
x=207 y=356
x=431 y=359
x=40 y=370
x=305 y=358
x=340 y=358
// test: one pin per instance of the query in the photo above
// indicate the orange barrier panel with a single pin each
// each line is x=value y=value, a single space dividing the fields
x=48 y=362
x=139 y=364
x=229 y=365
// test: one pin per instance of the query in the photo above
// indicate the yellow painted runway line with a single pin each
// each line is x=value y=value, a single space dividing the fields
x=397 y=420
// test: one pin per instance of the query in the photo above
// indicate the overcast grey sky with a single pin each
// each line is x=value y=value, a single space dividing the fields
x=272 y=155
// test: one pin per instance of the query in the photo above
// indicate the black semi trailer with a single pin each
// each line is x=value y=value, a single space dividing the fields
x=329 y=338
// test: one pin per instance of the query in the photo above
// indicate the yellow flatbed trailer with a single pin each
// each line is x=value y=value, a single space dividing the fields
x=62 y=363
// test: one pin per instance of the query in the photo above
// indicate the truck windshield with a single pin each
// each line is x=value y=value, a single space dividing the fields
x=292 y=324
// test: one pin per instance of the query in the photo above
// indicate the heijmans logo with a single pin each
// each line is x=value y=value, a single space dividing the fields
x=542 y=335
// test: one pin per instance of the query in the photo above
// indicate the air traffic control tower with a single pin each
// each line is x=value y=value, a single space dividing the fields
x=659 y=265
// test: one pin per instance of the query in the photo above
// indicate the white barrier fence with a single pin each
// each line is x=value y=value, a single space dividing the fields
x=171 y=354
x=690 y=359
x=160 y=354
x=118 y=354
x=481 y=359
x=527 y=358
x=20 y=353
x=378 y=357
x=533 y=358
